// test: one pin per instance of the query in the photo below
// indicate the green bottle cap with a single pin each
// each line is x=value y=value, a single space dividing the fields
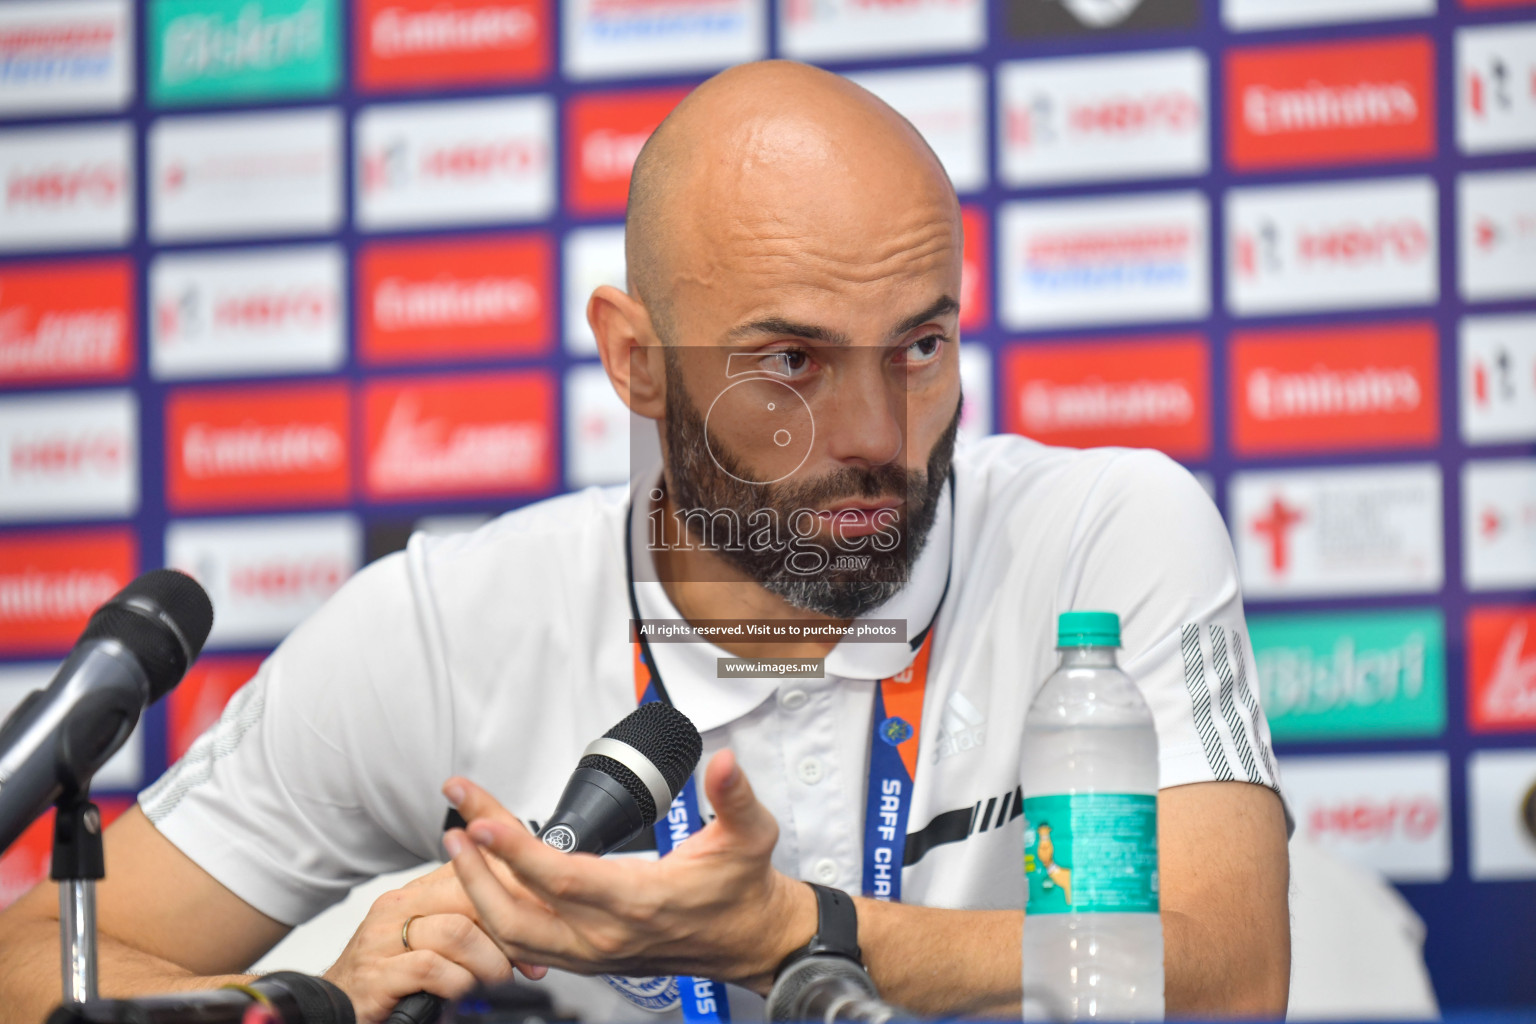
x=1088 y=629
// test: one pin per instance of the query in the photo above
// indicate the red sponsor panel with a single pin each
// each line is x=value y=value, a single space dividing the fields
x=1501 y=668
x=66 y=321
x=51 y=582
x=404 y=44
x=28 y=860
x=1144 y=393
x=482 y=297
x=603 y=135
x=975 y=269
x=1331 y=103
x=461 y=436
x=233 y=448
x=197 y=701
x=1328 y=389
x=1498 y=3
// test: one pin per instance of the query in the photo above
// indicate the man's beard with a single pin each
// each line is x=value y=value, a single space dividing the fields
x=711 y=484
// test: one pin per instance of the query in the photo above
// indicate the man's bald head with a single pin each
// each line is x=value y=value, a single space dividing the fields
x=762 y=159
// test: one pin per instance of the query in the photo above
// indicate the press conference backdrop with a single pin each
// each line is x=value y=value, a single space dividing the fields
x=282 y=279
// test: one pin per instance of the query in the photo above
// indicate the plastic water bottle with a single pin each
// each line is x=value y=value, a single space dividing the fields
x=1093 y=940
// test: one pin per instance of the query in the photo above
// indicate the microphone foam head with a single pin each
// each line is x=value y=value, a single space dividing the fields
x=163 y=618
x=666 y=738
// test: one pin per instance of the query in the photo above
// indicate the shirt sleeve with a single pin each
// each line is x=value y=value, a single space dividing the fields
x=1150 y=545
x=323 y=768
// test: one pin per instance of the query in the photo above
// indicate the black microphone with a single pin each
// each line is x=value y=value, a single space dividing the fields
x=826 y=988
x=134 y=649
x=622 y=783
x=284 y=997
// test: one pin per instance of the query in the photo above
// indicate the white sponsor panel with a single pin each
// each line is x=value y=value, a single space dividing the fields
x=818 y=30
x=1501 y=788
x=1498 y=524
x=265 y=574
x=1496 y=235
x=616 y=38
x=593 y=257
x=1246 y=15
x=66 y=188
x=254 y=175
x=1098 y=261
x=1386 y=812
x=1348 y=530
x=68 y=456
x=948 y=106
x=976 y=417
x=124 y=770
x=1354 y=245
x=247 y=312
x=1498 y=378
x=1129 y=115
x=476 y=161
x=65 y=55
x=1496 y=88
x=596 y=429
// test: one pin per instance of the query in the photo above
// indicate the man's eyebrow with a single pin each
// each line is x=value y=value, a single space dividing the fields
x=777 y=325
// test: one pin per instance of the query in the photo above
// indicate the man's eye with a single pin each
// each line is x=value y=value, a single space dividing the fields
x=789 y=362
x=925 y=349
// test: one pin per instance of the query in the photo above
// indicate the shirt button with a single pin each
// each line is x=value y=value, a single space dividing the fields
x=825 y=871
x=793 y=700
x=810 y=772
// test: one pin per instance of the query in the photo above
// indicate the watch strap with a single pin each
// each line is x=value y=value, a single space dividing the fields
x=837 y=929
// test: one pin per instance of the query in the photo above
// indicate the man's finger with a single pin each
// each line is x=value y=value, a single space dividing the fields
x=471 y=801
x=736 y=807
x=461 y=940
x=552 y=876
x=524 y=928
x=423 y=970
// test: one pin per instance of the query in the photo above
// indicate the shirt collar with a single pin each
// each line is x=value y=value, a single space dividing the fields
x=689 y=670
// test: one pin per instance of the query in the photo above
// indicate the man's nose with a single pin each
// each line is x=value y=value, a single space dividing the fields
x=865 y=421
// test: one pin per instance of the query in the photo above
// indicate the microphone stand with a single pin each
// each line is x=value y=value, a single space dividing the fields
x=78 y=862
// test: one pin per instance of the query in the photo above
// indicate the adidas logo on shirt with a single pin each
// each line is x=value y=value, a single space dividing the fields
x=965 y=727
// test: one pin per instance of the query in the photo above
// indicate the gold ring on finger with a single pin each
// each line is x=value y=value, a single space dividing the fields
x=405 y=931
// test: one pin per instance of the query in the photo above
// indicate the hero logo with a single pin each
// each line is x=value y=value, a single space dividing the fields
x=1355 y=245
x=198 y=45
x=65 y=320
x=50 y=583
x=1387 y=812
x=1360 y=529
x=56 y=57
x=815 y=30
x=1127 y=116
x=596 y=429
x=66 y=188
x=462 y=161
x=617 y=38
x=1501 y=667
x=1499 y=524
x=1498 y=379
x=606 y=132
x=68 y=456
x=1496 y=88
x=1497 y=235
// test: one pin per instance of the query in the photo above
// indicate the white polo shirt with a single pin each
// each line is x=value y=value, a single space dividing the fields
x=502 y=653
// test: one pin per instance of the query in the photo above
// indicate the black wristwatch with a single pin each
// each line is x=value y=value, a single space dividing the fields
x=837 y=929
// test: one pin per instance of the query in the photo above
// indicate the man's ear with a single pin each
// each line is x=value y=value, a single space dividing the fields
x=630 y=350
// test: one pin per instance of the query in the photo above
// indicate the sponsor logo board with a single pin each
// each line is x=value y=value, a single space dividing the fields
x=66 y=321
x=65 y=57
x=1498 y=378
x=1329 y=389
x=238 y=447
x=975 y=268
x=1501 y=789
x=490 y=434
x=124 y=770
x=1496 y=235
x=51 y=582
x=247 y=312
x=604 y=133
x=1030 y=19
x=1130 y=115
x=27 y=861
x=948 y=106
x=617 y=38
x=976 y=420
x=1351 y=675
x=593 y=257
x=1355 y=245
x=1144 y=393
x=1498 y=524
x=72 y=455
x=1345 y=530
x=596 y=429
x=213 y=51
x=817 y=30
x=66 y=187
x=1496 y=88
x=1386 y=812
x=1247 y=15
x=252 y=175
x=198 y=699
x=480 y=297
x=1501 y=668
x=1331 y=103
x=474 y=161
x=403 y=44
x=1111 y=260
x=264 y=574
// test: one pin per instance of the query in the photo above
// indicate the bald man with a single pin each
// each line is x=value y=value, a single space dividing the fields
x=791 y=326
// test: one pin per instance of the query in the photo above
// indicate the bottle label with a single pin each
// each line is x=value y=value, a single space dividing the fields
x=1093 y=853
